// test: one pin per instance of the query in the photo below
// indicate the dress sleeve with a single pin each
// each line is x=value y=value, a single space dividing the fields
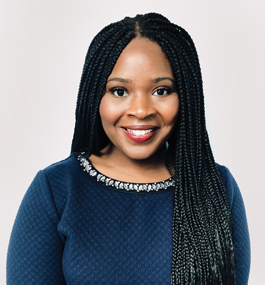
x=36 y=248
x=241 y=233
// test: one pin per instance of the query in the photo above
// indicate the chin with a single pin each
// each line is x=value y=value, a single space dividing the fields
x=139 y=157
x=141 y=154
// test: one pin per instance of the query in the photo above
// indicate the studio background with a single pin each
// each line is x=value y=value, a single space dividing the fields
x=42 y=51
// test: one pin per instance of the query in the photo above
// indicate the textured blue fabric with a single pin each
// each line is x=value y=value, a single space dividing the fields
x=242 y=242
x=70 y=229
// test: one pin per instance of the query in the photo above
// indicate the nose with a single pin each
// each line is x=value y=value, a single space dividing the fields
x=141 y=106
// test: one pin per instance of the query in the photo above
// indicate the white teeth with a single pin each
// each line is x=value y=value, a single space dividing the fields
x=139 y=132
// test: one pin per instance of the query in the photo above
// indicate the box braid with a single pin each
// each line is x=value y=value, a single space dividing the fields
x=203 y=246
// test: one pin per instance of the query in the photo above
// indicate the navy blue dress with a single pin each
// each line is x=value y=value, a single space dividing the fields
x=73 y=229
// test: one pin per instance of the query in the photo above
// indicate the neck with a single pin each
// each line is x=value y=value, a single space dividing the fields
x=114 y=164
x=153 y=162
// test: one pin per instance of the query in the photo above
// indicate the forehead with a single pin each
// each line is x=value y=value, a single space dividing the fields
x=144 y=57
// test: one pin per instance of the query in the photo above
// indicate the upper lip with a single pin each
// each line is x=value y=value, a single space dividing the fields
x=140 y=127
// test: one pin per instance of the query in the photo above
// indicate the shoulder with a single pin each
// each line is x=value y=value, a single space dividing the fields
x=62 y=172
x=233 y=193
x=241 y=234
x=48 y=192
x=66 y=165
x=232 y=189
x=59 y=180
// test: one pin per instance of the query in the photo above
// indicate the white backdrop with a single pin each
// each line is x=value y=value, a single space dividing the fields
x=43 y=46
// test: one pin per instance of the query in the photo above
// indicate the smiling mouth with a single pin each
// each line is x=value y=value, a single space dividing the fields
x=139 y=134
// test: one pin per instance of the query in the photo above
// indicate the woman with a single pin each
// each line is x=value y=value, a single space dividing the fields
x=140 y=200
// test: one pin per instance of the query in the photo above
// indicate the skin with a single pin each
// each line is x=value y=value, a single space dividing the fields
x=140 y=92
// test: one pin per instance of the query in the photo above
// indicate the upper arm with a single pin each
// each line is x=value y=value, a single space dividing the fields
x=35 y=247
x=241 y=234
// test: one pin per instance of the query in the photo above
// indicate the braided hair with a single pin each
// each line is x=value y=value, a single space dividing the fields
x=203 y=246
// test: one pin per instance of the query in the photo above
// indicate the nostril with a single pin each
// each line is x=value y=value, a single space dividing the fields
x=141 y=109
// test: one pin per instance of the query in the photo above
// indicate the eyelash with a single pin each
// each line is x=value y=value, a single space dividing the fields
x=168 y=89
x=112 y=90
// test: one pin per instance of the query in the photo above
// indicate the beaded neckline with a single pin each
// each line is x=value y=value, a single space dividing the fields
x=120 y=185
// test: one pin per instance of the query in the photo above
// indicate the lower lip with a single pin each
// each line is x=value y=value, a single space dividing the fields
x=139 y=139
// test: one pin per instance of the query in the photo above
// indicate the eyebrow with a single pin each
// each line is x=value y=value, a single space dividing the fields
x=119 y=79
x=156 y=80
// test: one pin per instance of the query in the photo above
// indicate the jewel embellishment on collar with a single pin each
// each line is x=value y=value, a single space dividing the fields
x=138 y=187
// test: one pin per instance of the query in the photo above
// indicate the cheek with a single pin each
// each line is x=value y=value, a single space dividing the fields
x=170 y=111
x=109 y=111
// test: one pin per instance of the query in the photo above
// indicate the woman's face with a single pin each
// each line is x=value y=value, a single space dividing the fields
x=139 y=109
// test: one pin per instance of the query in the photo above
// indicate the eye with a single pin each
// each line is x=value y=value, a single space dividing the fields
x=120 y=92
x=162 y=91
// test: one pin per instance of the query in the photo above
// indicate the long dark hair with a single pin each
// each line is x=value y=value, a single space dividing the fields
x=203 y=246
